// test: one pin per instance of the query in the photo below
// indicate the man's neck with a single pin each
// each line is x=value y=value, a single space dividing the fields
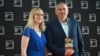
x=63 y=20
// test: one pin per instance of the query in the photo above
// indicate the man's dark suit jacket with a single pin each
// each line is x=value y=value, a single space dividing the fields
x=55 y=37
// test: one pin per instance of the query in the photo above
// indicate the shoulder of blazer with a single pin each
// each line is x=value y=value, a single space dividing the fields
x=73 y=20
x=53 y=22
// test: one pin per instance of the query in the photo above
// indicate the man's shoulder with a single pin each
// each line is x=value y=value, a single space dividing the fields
x=72 y=20
x=52 y=21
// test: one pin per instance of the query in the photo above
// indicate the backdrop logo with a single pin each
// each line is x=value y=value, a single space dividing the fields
x=87 y=54
x=17 y=3
x=46 y=17
x=85 y=30
x=25 y=16
x=97 y=4
x=49 y=54
x=92 y=17
x=1 y=2
x=93 y=43
x=17 y=54
x=99 y=53
x=52 y=3
x=98 y=29
x=2 y=55
x=69 y=3
x=77 y=16
x=35 y=3
x=9 y=44
x=18 y=30
x=2 y=30
x=84 y=4
x=9 y=16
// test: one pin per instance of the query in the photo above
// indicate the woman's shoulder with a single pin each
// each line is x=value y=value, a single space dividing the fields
x=43 y=32
x=27 y=28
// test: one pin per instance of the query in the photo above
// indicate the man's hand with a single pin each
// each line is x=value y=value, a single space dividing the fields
x=69 y=52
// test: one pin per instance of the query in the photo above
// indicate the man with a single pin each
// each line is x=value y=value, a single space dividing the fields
x=64 y=28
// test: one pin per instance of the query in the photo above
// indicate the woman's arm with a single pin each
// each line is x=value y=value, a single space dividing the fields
x=24 y=45
x=46 y=51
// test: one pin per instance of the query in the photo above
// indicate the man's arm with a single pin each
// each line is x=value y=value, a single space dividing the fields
x=80 y=41
x=51 y=47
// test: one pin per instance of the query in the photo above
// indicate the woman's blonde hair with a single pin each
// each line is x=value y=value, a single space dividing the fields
x=30 y=22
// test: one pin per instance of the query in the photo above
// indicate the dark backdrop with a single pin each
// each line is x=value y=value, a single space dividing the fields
x=14 y=14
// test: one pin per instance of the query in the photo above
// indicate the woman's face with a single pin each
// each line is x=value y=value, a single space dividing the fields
x=38 y=17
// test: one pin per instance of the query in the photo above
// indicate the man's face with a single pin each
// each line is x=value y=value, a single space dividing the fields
x=61 y=11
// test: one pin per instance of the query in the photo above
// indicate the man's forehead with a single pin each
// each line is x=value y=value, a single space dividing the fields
x=61 y=6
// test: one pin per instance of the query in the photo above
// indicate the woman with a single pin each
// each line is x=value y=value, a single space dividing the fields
x=33 y=40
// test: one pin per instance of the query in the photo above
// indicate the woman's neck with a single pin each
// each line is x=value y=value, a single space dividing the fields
x=36 y=27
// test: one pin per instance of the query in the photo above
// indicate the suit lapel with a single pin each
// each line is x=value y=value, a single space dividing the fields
x=60 y=27
x=69 y=26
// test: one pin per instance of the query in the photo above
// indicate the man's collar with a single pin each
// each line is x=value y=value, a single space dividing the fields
x=65 y=22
